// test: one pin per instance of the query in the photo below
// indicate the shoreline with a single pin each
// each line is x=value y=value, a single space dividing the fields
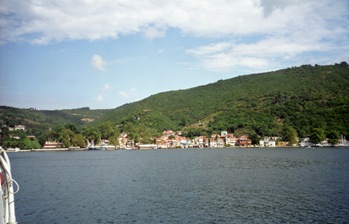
x=236 y=147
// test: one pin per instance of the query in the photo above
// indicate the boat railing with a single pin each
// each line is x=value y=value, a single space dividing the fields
x=7 y=205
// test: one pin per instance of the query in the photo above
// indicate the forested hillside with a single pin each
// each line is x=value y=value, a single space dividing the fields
x=300 y=98
x=292 y=101
x=39 y=121
x=33 y=118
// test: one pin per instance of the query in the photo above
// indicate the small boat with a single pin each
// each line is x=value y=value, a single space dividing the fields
x=7 y=201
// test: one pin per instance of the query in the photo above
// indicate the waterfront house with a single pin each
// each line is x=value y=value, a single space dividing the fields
x=217 y=141
x=268 y=142
x=244 y=141
x=230 y=140
x=183 y=141
x=52 y=145
x=201 y=141
x=161 y=143
x=282 y=144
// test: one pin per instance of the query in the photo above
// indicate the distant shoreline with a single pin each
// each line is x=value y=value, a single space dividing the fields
x=236 y=147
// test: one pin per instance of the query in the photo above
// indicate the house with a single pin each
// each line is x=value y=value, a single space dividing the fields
x=161 y=143
x=17 y=128
x=179 y=132
x=183 y=141
x=220 y=142
x=268 y=142
x=261 y=142
x=217 y=141
x=52 y=145
x=244 y=141
x=201 y=141
x=230 y=140
x=224 y=133
x=15 y=137
x=282 y=144
x=168 y=133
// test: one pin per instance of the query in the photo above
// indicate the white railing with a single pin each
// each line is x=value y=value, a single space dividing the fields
x=7 y=206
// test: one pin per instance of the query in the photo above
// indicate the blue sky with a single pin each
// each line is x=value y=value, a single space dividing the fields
x=103 y=54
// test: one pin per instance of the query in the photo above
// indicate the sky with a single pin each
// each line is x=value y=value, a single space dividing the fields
x=65 y=54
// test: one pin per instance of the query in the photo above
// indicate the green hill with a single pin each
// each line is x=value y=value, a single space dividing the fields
x=43 y=119
x=302 y=97
x=295 y=100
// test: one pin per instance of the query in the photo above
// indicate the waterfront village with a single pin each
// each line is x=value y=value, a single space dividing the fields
x=171 y=139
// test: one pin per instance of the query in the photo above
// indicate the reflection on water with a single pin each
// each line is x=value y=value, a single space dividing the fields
x=183 y=186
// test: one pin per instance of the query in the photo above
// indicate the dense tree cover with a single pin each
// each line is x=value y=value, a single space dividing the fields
x=293 y=102
x=317 y=135
x=68 y=134
x=17 y=139
x=45 y=125
x=288 y=103
x=38 y=120
x=289 y=134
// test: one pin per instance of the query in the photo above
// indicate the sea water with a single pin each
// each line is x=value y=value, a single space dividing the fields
x=231 y=185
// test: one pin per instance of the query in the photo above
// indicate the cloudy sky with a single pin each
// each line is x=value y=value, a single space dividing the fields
x=63 y=54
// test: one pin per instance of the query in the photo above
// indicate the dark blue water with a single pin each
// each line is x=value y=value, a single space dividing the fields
x=183 y=186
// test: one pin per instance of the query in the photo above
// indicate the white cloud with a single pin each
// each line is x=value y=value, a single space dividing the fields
x=98 y=62
x=42 y=21
x=152 y=33
x=303 y=27
x=106 y=87
x=210 y=49
x=100 y=97
x=123 y=94
x=128 y=93
x=242 y=32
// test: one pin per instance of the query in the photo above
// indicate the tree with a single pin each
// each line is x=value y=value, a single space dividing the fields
x=134 y=136
x=290 y=135
x=317 y=135
x=114 y=140
x=31 y=144
x=344 y=64
x=66 y=137
x=107 y=129
x=78 y=140
x=254 y=137
x=91 y=134
x=333 y=137
x=71 y=127
x=43 y=137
